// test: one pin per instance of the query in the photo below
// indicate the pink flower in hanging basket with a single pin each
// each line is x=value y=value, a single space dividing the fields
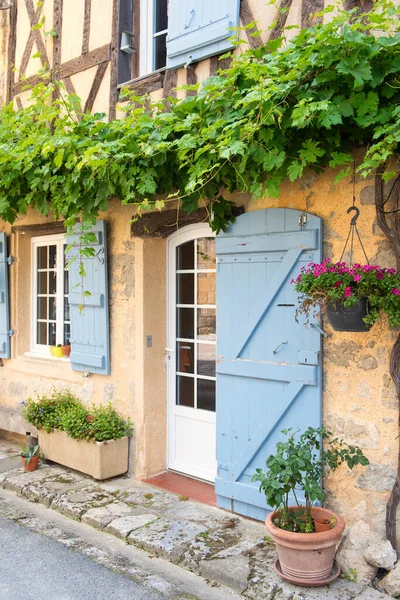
x=329 y=282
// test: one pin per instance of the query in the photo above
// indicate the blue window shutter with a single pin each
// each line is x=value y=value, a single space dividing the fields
x=198 y=29
x=90 y=349
x=5 y=351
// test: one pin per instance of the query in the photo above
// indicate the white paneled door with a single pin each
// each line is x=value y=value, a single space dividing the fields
x=191 y=352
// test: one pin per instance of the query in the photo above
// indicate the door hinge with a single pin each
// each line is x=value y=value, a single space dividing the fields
x=9 y=260
x=302 y=220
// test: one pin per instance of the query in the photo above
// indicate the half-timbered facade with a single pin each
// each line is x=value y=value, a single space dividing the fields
x=162 y=292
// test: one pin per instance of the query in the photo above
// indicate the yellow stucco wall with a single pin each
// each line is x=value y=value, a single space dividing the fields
x=359 y=401
x=358 y=398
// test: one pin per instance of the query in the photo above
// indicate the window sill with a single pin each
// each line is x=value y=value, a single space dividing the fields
x=44 y=358
x=145 y=84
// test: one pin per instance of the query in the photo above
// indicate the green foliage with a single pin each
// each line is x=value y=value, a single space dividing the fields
x=276 y=111
x=63 y=411
x=329 y=282
x=299 y=466
x=28 y=453
x=47 y=412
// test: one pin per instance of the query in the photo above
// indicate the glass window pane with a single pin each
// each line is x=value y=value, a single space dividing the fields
x=185 y=391
x=66 y=282
x=42 y=308
x=66 y=309
x=42 y=283
x=185 y=256
x=53 y=309
x=65 y=256
x=67 y=334
x=161 y=21
x=42 y=257
x=42 y=333
x=205 y=323
x=206 y=360
x=52 y=282
x=52 y=257
x=185 y=357
x=185 y=288
x=206 y=288
x=160 y=51
x=52 y=334
x=206 y=394
x=206 y=253
x=185 y=323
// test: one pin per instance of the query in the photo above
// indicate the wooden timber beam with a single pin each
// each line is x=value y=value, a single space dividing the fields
x=86 y=27
x=12 y=46
x=37 y=36
x=71 y=67
x=114 y=51
x=98 y=78
x=281 y=19
x=308 y=9
x=246 y=17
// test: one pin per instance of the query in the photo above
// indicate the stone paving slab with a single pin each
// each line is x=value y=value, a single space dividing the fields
x=75 y=503
x=124 y=526
x=9 y=464
x=102 y=516
x=168 y=539
x=224 y=548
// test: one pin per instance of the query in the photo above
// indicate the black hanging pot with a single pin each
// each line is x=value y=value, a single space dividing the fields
x=348 y=319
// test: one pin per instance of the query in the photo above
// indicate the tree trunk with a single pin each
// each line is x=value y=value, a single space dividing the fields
x=389 y=222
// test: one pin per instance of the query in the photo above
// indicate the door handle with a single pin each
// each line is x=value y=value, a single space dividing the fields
x=277 y=348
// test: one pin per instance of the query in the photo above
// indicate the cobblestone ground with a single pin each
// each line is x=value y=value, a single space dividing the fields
x=225 y=549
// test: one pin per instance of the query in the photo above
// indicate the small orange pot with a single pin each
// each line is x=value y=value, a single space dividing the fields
x=307 y=558
x=66 y=350
x=32 y=465
x=322 y=525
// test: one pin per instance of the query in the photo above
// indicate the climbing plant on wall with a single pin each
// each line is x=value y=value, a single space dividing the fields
x=275 y=112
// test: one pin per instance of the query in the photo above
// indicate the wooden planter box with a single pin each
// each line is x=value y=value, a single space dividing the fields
x=101 y=460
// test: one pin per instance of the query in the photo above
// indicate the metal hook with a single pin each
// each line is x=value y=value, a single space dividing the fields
x=354 y=219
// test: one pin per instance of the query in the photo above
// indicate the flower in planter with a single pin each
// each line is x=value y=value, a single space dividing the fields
x=339 y=283
x=65 y=412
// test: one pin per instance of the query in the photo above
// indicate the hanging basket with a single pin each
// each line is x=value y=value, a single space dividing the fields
x=348 y=319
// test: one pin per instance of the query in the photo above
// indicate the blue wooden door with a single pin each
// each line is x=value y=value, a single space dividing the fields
x=268 y=365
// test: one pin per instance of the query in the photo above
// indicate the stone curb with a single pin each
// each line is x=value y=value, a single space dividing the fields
x=224 y=549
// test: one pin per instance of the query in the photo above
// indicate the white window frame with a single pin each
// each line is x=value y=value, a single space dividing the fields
x=36 y=242
x=147 y=36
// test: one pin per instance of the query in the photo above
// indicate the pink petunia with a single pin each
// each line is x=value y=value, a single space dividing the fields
x=357 y=277
x=396 y=291
x=347 y=292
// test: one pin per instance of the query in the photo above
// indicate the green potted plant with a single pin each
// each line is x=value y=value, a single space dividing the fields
x=30 y=457
x=56 y=351
x=353 y=297
x=92 y=439
x=292 y=485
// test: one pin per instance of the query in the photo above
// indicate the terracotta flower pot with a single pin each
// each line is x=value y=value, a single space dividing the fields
x=66 y=350
x=322 y=525
x=32 y=465
x=306 y=558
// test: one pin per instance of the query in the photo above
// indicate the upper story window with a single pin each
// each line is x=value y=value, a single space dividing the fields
x=50 y=285
x=153 y=38
x=173 y=33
